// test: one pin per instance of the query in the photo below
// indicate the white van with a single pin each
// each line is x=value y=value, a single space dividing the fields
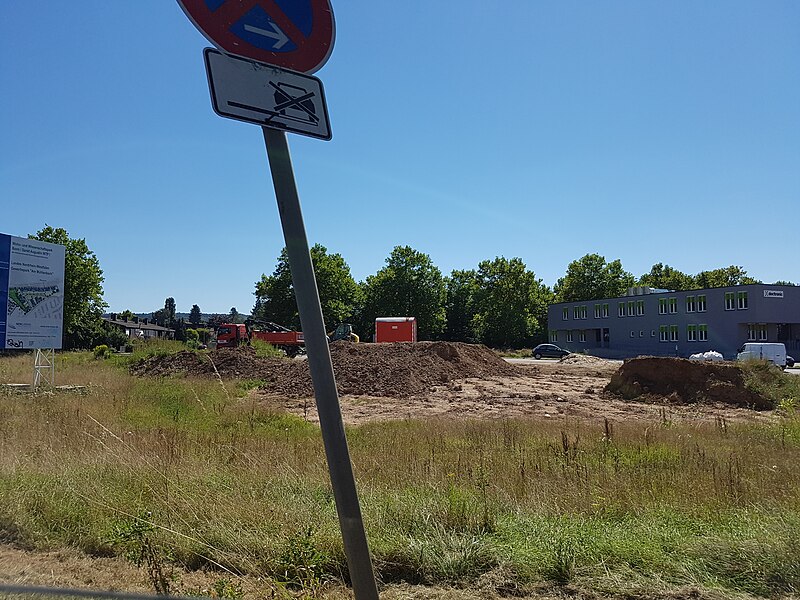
x=774 y=353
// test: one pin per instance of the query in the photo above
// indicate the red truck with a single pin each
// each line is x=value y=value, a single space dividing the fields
x=231 y=335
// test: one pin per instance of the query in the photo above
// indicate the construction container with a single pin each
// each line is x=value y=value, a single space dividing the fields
x=395 y=329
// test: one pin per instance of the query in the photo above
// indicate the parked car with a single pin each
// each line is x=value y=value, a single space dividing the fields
x=548 y=351
x=789 y=362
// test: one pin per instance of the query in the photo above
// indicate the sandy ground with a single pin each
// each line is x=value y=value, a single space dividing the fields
x=547 y=389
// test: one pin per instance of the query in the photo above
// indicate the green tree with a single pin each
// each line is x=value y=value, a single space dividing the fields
x=410 y=285
x=724 y=277
x=234 y=316
x=591 y=277
x=460 y=308
x=664 y=277
x=195 y=316
x=339 y=294
x=83 y=289
x=511 y=304
x=169 y=312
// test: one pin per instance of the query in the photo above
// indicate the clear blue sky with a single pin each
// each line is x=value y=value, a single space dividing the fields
x=644 y=131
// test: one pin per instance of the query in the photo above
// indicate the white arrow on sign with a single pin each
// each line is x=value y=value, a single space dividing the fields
x=277 y=34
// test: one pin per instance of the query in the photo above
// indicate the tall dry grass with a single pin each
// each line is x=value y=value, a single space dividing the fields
x=222 y=483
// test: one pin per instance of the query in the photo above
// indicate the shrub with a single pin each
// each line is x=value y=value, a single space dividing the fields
x=102 y=351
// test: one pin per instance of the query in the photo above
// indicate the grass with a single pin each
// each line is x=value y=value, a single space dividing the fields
x=206 y=478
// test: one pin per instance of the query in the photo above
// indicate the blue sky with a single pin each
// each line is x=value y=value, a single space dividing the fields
x=644 y=131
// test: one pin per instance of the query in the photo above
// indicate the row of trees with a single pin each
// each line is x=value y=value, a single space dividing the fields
x=501 y=303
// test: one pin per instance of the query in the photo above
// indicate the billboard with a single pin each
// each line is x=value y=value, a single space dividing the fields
x=31 y=293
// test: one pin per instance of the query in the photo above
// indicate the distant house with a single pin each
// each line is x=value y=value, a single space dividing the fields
x=136 y=328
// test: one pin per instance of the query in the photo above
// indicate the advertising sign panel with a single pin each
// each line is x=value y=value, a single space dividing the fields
x=31 y=293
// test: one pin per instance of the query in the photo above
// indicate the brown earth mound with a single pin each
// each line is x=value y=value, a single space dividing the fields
x=401 y=369
x=684 y=382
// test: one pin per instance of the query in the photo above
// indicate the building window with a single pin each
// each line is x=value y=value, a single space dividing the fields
x=640 y=307
x=663 y=333
x=673 y=333
x=673 y=306
x=631 y=308
x=701 y=303
x=641 y=333
x=576 y=312
x=633 y=333
x=553 y=336
x=582 y=336
x=662 y=306
x=691 y=305
x=605 y=311
x=596 y=311
x=730 y=300
x=742 y=300
x=621 y=309
x=565 y=314
x=691 y=333
x=569 y=336
x=702 y=333
x=756 y=331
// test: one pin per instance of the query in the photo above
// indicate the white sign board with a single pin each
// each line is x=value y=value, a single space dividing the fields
x=266 y=95
x=31 y=293
x=773 y=293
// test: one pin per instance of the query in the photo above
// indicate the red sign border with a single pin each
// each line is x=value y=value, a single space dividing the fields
x=307 y=58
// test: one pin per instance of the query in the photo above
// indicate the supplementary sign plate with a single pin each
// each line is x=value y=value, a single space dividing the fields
x=266 y=95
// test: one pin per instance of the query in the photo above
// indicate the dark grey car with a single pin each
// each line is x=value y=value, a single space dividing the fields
x=548 y=351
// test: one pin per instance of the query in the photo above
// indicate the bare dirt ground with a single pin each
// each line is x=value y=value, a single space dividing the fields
x=546 y=390
x=379 y=382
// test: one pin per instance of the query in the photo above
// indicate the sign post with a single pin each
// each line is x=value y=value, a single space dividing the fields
x=321 y=367
x=284 y=40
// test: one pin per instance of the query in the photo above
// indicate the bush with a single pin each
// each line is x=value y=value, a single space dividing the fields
x=102 y=351
x=192 y=339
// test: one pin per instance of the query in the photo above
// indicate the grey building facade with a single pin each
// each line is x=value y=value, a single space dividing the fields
x=665 y=323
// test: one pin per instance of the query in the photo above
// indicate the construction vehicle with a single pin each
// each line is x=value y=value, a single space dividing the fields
x=231 y=335
x=345 y=332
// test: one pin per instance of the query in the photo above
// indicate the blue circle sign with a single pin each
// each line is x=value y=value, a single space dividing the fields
x=293 y=34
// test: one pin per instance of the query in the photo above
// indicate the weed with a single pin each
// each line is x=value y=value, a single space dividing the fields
x=134 y=537
x=301 y=564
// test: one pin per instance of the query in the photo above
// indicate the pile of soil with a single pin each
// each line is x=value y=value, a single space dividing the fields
x=682 y=381
x=398 y=370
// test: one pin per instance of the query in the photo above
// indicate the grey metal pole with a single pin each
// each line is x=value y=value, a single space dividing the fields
x=321 y=366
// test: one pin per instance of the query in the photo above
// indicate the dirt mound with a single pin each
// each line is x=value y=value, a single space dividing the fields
x=398 y=370
x=683 y=381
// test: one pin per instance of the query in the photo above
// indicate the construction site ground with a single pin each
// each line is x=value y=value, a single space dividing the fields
x=454 y=380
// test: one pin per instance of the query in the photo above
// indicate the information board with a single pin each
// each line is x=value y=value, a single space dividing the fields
x=31 y=293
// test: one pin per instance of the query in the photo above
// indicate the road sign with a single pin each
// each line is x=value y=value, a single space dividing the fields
x=294 y=34
x=265 y=95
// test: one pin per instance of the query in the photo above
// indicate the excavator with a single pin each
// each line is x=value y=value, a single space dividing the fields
x=344 y=331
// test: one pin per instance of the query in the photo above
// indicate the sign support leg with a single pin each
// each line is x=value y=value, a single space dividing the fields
x=321 y=366
x=44 y=367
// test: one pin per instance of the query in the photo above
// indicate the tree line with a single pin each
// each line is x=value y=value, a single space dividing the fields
x=500 y=302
